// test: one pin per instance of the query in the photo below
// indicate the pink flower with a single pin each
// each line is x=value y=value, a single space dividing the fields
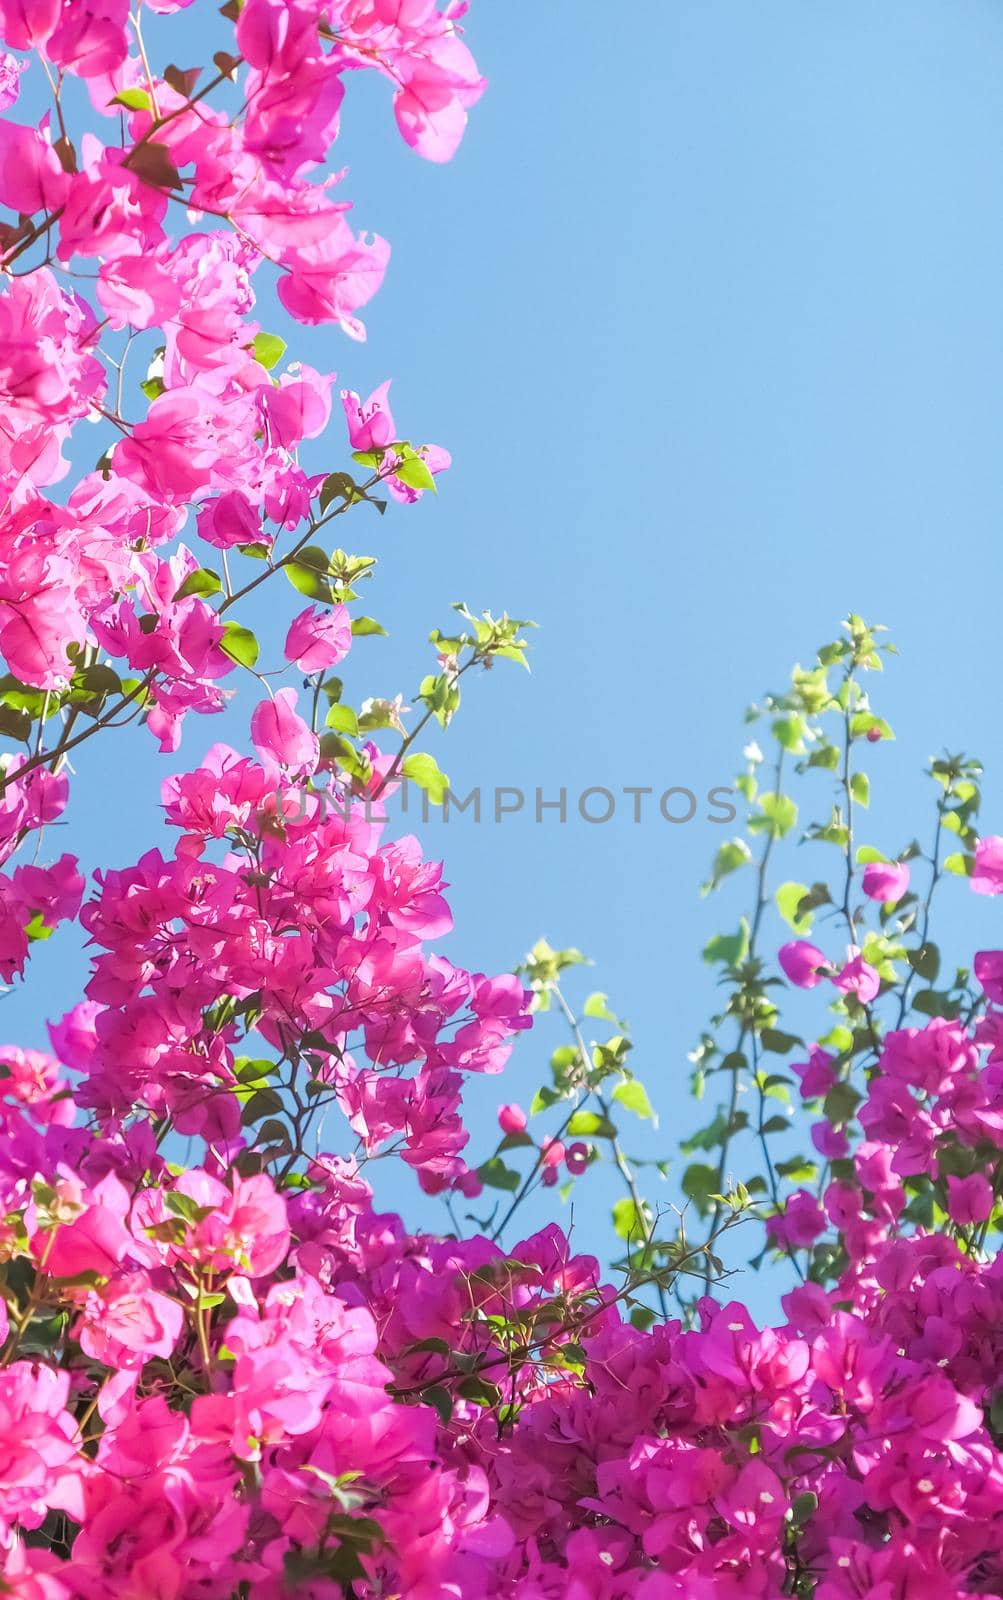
x=129 y=1322
x=859 y=979
x=511 y=1119
x=228 y=520
x=551 y=1152
x=319 y=639
x=969 y=1199
x=886 y=881
x=95 y=1240
x=801 y=962
x=817 y=1074
x=438 y=85
x=988 y=968
x=282 y=736
x=331 y=277
x=10 y=75
x=38 y=1449
x=987 y=874
x=577 y=1158
x=31 y=178
x=370 y=422
x=800 y=1222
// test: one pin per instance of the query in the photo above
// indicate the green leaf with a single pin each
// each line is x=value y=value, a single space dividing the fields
x=201 y=582
x=778 y=815
x=343 y=720
x=589 y=1124
x=440 y=1400
x=423 y=770
x=15 y=724
x=789 y=897
x=151 y=162
x=516 y=1141
x=595 y=1006
x=803 y=1507
x=310 y=573
x=789 y=732
x=628 y=1222
x=494 y=1174
x=338 y=486
x=37 y=929
x=263 y=1103
x=239 y=644
x=699 y=1182
x=961 y=865
x=363 y=627
x=481 y=1390
x=797 y=1170
x=437 y=1347
x=925 y=961
x=867 y=854
x=841 y=1103
x=730 y=948
x=780 y=1043
x=634 y=1097
x=775 y=1125
x=936 y=1003
x=133 y=100
x=734 y=853
x=863 y=722
x=860 y=788
x=414 y=472
x=268 y=349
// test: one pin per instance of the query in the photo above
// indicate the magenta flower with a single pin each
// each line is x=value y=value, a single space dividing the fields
x=886 y=881
x=988 y=969
x=969 y=1199
x=319 y=639
x=511 y=1119
x=987 y=874
x=577 y=1158
x=370 y=422
x=803 y=963
x=281 y=735
x=817 y=1074
x=799 y=1224
x=858 y=978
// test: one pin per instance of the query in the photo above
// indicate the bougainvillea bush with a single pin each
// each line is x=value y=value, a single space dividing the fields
x=224 y=1373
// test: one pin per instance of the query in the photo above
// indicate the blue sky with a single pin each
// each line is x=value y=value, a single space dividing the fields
x=708 y=311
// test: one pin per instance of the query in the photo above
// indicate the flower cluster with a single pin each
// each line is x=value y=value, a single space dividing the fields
x=229 y=1374
x=218 y=433
x=237 y=1382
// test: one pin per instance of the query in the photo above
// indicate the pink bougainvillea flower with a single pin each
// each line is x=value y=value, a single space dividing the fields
x=988 y=969
x=987 y=873
x=370 y=422
x=551 y=1152
x=281 y=735
x=803 y=963
x=319 y=639
x=511 y=1119
x=858 y=978
x=577 y=1158
x=969 y=1199
x=886 y=881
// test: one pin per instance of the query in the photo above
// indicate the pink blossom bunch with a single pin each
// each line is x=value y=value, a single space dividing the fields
x=224 y=1373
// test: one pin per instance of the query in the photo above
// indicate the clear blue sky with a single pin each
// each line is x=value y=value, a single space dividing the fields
x=708 y=310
